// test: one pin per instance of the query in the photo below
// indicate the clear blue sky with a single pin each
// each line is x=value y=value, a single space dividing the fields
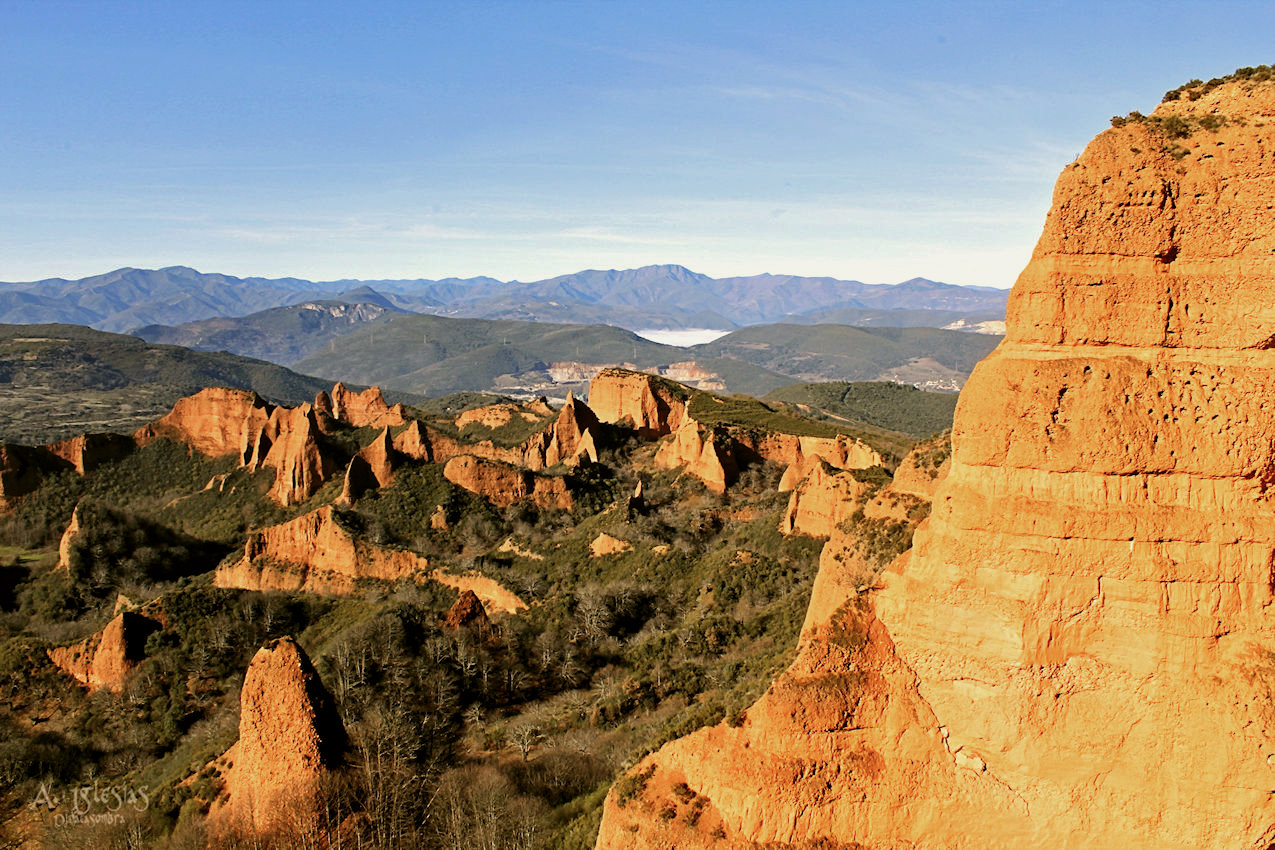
x=875 y=141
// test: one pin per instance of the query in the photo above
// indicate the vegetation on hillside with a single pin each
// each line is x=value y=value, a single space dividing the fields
x=1175 y=128
x=1196 y=89
x=882 y=404
x=838 y=352
x=57 y=381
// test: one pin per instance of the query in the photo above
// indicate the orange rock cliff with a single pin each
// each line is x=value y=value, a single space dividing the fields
x=1077 y=649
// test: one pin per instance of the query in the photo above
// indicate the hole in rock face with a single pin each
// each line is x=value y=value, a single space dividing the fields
x=1168 y=255
x=1265 y=345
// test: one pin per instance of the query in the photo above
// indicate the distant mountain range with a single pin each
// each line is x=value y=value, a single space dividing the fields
x=663 y=297
x=436 y=355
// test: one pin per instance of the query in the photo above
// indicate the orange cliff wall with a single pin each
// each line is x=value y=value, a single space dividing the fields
x=1077 y=649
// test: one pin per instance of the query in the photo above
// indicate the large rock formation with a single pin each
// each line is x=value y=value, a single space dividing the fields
x=568 y=440
x=215 y=422
x=219 y=421
x=414 y=441
x=103 y=660
x=371 y=468
x=316 y=553
x=301 y=466
x=87 y=452
x=822 y=501
x=802 y=454
x=1077 y=650
x=290 y=739
x=654 y=406
x=716 y=454
x=362 y=410
x=704 y=453
x=23 y=469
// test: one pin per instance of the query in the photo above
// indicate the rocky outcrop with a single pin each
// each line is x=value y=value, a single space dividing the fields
x=801 y=454
x=604 y=544
x=362 y=410
x=1076 y=651
x=498 y=483
x=371 y=468
x=219 y=421
x=290 y=740
x=504 y=485
x=568 y=440
x=316 y=553
x=67 y=542
x=822 y=501
x=653 y=406
x=716 y=454
x=87 y=452
x=105 y=659
x=704 y=452
x=215 y=422
x=467 y=613
x=301 y=465
x=23 y=469
x=413 y=441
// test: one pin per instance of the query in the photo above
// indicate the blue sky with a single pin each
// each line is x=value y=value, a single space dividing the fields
x=874 y=141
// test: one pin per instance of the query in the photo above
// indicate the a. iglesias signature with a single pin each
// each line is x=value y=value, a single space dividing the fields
x=91 y=804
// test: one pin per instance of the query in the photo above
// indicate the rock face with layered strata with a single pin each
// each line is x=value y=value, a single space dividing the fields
x=290 y=739
x=1077 y=649
x=316 y=553
x=654 y=406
